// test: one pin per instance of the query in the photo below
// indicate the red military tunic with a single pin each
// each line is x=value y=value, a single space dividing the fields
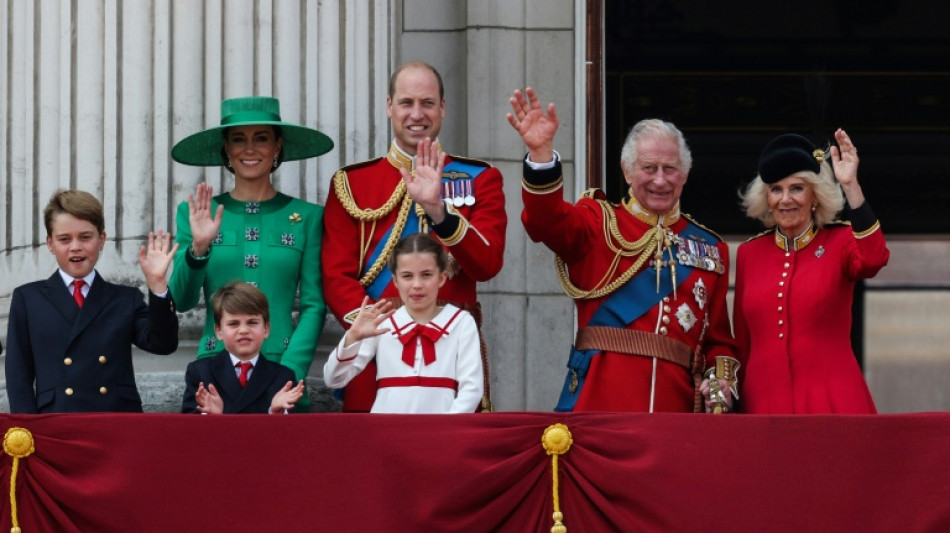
x=793 y=318
x=365 y=201
x=695 y=315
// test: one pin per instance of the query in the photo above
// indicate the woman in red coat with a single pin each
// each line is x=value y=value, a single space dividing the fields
x=795 y=284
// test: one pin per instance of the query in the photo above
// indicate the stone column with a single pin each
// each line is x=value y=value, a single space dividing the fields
x=96 y=93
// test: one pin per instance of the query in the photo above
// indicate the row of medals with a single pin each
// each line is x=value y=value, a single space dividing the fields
x=458 y=192
x=698 y=254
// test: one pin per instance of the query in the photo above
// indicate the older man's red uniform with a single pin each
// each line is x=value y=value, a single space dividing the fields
x=594 y=239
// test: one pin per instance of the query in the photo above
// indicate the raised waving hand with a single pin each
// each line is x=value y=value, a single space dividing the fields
x=537 y=126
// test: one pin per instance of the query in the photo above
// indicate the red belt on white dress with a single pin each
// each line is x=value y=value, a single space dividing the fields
x=418 y=381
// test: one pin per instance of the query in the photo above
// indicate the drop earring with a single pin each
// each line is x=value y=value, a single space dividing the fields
x=276 y=162
x=814 y=206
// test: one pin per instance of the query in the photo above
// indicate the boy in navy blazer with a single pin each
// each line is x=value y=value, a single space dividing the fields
x=70 y=337
x=238 y=379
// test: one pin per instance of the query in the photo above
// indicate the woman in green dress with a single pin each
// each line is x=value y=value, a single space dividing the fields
x=253 y=232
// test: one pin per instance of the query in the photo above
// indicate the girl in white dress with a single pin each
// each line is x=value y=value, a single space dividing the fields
x=428 y=356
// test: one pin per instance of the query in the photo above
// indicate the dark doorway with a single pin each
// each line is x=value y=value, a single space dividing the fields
x=733 y=75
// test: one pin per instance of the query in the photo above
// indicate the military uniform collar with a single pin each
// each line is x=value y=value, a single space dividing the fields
x=666 y=220
x=803 y=240
x=400 y=159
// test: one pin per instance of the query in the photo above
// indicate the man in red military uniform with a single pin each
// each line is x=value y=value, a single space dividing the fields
x=373 y=204
x=649 y=283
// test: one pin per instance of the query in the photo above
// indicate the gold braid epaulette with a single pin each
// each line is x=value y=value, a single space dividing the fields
x=769 y=231
x=643 y=247
x=341 y=185
x=593 y=194
x=693 y=220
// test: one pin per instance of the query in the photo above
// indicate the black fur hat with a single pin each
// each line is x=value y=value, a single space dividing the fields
x=787 y=154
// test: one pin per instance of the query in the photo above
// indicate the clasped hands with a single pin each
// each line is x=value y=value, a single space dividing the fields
x=210 y=403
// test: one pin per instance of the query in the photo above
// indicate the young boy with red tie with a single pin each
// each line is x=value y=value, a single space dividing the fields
x=70 y=337
x=238 y=379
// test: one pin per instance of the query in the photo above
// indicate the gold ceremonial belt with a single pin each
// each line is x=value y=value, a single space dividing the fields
x=634 y=342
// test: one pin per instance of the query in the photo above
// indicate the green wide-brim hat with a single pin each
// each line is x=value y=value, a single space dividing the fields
x=204 y=148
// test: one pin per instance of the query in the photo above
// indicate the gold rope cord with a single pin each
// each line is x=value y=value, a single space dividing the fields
x=556 y=440
x=365 y=240
x=341 y=186
x=394 y=236
x=17 y=443
x=654 y=239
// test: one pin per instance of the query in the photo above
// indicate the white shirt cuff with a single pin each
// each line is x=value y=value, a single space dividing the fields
x=542 y=166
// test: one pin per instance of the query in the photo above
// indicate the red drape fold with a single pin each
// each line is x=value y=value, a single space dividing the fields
x=487 y=472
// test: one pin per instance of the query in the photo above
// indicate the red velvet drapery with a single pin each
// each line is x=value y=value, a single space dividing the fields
x=468 y=473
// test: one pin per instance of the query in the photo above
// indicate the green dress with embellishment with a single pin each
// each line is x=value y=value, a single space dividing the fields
x=274 y=244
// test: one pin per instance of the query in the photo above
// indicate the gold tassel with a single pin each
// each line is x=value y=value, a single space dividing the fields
x=664 y=242
x=672 y=260
x=423 y=221
x=556 y=440
x=658 y=256
x=17 y=443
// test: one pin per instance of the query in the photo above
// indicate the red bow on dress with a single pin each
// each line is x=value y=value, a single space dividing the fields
x=427 y=336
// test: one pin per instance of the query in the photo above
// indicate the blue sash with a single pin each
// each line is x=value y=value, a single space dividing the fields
x=624 y=306
x=376 y=288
